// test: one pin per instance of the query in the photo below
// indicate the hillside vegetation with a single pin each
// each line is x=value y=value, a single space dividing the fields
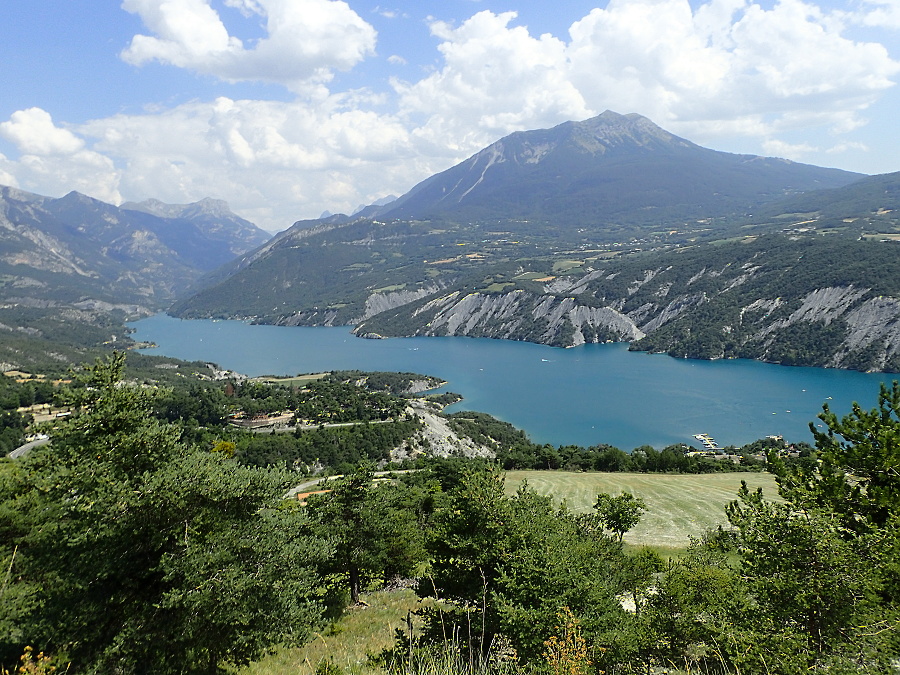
x=133 y=544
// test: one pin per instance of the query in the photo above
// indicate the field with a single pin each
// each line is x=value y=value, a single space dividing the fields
x=678 y=505
x=299 y=380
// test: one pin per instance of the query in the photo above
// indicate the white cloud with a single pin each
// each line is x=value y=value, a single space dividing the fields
x=729 y=63
x=880 y=13
x=725 y=69
x=730 y=67
x=273 y=162
x=847 y=147
x=56 y=159
x=306 y=40
x=33 y=131
x=7 y=177
x=796 y=151
x=496 y=79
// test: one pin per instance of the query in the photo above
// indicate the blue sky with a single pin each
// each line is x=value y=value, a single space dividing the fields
x=288 y=108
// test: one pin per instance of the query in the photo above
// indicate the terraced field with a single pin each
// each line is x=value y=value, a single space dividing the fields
x=678 y=505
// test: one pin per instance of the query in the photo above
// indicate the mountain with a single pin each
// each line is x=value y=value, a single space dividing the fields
x=621 y=169
x=615 y=181
x=213 y=218
x=76 y=249
x=807 y=300
x=871 y=204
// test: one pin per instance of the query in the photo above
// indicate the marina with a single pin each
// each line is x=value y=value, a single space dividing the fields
x=709 y=443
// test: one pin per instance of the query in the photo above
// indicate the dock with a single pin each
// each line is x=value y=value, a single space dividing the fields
x=709 y=443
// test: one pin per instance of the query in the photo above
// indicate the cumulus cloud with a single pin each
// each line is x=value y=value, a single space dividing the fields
x=495 y=79
x=880 y=13
x=55 y=158
x=273 y=162
x=726 y=68
x=306 y=39
x=33 y=131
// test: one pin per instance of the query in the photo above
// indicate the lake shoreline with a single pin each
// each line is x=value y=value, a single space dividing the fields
x=598 y=393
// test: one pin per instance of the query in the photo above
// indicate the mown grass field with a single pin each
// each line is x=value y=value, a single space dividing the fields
x=678 y=505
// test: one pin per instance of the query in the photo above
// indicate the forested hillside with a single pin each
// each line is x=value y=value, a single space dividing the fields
x=796 y=300
x=135 y=545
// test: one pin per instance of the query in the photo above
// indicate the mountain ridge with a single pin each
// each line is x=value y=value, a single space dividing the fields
x=76 y=248
x=603 y=270
x=538 y=173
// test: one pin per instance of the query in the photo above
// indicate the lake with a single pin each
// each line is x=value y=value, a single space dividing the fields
x=585 y=395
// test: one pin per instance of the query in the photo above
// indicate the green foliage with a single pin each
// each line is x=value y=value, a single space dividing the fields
x=398 y=384
x=807 y=584
x=512 y=563
x=137 y=554
x=373 y=532
x=857 y=473
x=810 y=582
x=619 y=514
x=335 y=448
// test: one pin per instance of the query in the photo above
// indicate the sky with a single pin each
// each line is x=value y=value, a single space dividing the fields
x=290 y=108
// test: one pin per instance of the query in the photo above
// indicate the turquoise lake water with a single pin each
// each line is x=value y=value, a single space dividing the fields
x=586 y=395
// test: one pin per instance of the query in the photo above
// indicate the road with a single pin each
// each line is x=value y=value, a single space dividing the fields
x=23 y=449
x=304 y=487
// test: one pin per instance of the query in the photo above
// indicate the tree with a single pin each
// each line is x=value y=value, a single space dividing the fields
x=811 y=583
x=857 y=474
x=822 y=566
x=511 y=564
x=619 y=514
x=371 y=536
x=135 y=553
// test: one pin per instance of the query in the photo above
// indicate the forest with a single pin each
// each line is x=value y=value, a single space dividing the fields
x=139 y=543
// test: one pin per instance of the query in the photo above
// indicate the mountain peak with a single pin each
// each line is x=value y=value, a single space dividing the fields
x=207 y=206
x=610 y=131
x=596 y=170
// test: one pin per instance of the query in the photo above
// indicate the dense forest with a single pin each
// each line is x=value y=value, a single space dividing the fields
x=141 y=541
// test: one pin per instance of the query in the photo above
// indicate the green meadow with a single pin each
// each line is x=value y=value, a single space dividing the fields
x=678 y=505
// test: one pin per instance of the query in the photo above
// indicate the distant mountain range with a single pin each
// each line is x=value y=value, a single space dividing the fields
x=607 y=229
x=76 y=249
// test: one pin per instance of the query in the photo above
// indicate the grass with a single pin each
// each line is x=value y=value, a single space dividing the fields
x=498 y=287
x=566 y=265
x=347 y=643
x=298 y=380
x=678 y=505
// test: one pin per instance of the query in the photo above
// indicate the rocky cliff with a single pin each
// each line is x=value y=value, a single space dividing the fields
x=775 y=300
